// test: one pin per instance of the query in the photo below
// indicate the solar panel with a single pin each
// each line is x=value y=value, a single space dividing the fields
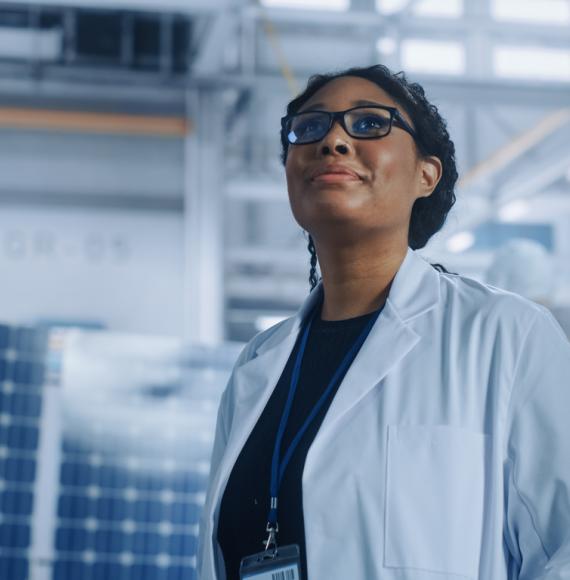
x=104 y=453
x=22 y=366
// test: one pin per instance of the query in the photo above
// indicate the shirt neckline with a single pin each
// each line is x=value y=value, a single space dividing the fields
x=319 y=323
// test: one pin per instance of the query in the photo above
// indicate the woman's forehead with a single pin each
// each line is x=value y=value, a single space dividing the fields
x=345 y=92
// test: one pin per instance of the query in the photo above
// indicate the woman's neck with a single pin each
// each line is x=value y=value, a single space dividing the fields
x=357 y=281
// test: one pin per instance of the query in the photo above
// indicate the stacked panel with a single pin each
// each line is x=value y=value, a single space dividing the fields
x=22 y=364
x=138 y=421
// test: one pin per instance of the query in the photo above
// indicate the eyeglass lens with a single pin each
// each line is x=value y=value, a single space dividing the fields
x=362 y=122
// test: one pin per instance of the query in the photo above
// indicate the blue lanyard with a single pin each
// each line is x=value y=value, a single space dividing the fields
x=278 y=465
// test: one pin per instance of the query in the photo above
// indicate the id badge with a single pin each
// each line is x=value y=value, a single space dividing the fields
x=282 y=564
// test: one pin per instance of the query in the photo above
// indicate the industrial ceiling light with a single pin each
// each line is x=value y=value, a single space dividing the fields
x=514 y=210
x=460 y=242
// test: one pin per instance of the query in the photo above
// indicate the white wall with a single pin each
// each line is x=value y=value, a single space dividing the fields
x=39 y=163
x=121 y=269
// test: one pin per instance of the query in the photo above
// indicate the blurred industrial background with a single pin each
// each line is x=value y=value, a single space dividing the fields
x=145 y=231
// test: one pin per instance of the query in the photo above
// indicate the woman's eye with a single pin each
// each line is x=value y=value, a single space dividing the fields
x=308 y=126
x=370 y=123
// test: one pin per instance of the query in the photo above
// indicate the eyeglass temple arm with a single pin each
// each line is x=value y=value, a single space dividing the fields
x=399 y=120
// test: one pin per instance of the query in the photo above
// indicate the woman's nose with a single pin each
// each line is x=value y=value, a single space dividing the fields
x=336 y=141
x=340 y=148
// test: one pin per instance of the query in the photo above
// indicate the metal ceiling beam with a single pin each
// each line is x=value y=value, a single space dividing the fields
x=203 y=228
x=93 y=122
x=449 y=89
x=283 y=259
x=518 y=147
x=209 y=58
x=357 y=21
x=520 y=179
x=170 y=98
x=94 y=201
x=179 y=6
x=535 y=179
x=277 y=289
x=17 y=88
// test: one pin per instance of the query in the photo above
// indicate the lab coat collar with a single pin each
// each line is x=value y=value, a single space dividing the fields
x=414 y=291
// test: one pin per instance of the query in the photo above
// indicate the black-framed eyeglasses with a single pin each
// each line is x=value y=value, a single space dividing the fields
x=363 y=122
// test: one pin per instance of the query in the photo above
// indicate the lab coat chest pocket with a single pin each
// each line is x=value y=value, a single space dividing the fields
x=435 y=499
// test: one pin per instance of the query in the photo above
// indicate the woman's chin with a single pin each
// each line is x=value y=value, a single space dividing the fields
x=332 y=185
x=336 y=203
x=333 y=217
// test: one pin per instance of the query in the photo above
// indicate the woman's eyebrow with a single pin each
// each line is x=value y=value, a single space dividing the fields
x=359 y=103
x=364 y=103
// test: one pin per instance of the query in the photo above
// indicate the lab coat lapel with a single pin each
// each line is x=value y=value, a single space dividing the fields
x=257 y=377
x=389 y=341
x=414 y=291
x=254 y=381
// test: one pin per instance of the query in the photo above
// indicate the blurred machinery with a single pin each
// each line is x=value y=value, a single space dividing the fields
x=82 y=36
x=525 y=267
x=146 y=134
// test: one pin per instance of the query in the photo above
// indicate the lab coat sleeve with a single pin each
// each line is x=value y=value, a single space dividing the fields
x=537 y=466
x=220 y=441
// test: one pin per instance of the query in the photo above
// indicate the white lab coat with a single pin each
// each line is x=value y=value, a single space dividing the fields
x=445 y=453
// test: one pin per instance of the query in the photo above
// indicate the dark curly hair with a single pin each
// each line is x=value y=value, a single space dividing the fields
x=428 y=213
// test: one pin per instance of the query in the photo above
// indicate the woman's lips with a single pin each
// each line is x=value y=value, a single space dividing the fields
x=335 y=177
x=334 y=173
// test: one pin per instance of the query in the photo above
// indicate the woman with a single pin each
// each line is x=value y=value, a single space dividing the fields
x=407 y=423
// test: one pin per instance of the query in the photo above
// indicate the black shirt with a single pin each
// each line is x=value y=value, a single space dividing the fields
x=245 y=503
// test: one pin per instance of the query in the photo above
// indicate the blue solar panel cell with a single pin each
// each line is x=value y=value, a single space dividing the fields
x=190 y=482
x=4 y=370
x=185 y=513
x=111 y=476
x=111 y=570
x=182 y=545
x=75 y=474
x=149 y=572
x=29 y=339
x=13 y=568
x=21 y=404
x=72 y=539
x=19 y=437
x=181 y=573
x=72 y=446
x=149 y=482
x=4 y=336
x=27 y=404
x=5 y=402
x=70 y=570
x=28 y=372
x=18 y=469
x=112 y=509
x=110 y=541
x=147 y=543
x=75 y=507
x=8 y=370
x=148 y=511
x=14 y=536
x=16 y=502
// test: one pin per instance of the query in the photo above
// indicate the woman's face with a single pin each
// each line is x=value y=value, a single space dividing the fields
x=341 y=185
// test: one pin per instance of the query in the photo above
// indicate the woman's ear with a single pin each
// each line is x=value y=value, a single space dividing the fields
x=430 y=173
